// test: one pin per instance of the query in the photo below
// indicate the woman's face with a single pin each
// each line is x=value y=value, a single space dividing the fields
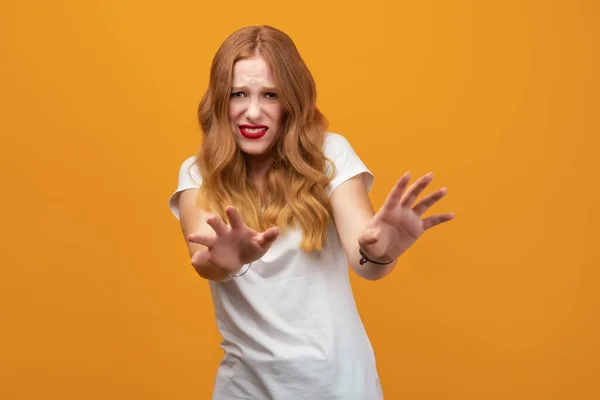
x=255 y=112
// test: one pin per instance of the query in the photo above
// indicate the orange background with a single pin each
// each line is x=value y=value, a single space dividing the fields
x=498 y=98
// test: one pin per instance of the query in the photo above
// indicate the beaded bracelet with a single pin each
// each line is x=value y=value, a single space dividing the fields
x=364 y=259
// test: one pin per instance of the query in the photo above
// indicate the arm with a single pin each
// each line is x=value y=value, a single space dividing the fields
x=193 y=220
x=352 y=213
x=386 y=235
x=216 y=248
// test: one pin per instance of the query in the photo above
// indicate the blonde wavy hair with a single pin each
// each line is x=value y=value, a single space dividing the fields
x=296 y=183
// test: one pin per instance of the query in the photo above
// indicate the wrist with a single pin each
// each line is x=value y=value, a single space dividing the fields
x=240 y=272
x=367 y=258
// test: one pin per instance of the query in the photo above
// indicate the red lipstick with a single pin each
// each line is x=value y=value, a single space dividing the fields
x=257 y=131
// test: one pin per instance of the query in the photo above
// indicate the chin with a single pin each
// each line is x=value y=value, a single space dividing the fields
x=254 y=149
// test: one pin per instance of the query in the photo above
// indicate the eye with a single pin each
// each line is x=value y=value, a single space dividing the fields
x=271 y=95
x=237 y=94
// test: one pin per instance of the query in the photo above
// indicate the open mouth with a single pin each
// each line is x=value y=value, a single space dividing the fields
x=253 y=131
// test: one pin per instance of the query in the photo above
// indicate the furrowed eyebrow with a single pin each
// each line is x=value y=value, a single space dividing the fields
x=265 y=88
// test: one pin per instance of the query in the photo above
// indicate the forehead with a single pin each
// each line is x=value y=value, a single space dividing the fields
x=252 y=71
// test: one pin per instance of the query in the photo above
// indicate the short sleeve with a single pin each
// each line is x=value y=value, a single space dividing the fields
x=189 y=178
x=347 y=163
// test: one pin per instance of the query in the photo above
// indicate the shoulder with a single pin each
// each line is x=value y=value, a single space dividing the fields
x=188 y=163
x=338 y=149
x=335 y=143
x=189 y=178
x=188 y=171
x=345 y=160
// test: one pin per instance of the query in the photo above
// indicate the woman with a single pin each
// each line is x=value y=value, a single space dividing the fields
x=273 y=208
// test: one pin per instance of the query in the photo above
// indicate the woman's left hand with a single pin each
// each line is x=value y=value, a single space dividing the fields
x=398 y=223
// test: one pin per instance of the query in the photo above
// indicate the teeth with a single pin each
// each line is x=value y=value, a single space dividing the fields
x=249 y=130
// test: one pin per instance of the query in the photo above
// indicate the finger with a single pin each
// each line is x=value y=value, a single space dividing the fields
x=200 y=257
x=415 y=190
x=268 y=237
x=235 y=219
x=392 y=200
x=426 y=202
x=199 y=238
x=368 y=237
x=436 y=220
x=217 y=224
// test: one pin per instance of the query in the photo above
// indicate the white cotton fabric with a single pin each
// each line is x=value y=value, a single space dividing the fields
x=290 y=326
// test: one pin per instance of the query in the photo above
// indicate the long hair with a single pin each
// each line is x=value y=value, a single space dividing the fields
x=296 y=182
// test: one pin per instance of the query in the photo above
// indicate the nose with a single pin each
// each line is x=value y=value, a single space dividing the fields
x=253 y=110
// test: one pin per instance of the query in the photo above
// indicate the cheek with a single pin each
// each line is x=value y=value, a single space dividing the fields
x=234 y=111
x=276 y=112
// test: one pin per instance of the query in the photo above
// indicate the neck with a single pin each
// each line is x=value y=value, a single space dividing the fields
x=257 y=168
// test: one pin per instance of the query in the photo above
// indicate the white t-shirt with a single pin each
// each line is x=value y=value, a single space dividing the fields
x=290 y=326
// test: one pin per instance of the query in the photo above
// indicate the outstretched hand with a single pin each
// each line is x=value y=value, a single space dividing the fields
x=399 y=223
x=231 y=246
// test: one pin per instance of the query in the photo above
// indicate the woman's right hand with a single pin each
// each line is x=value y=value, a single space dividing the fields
x=231 y=246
